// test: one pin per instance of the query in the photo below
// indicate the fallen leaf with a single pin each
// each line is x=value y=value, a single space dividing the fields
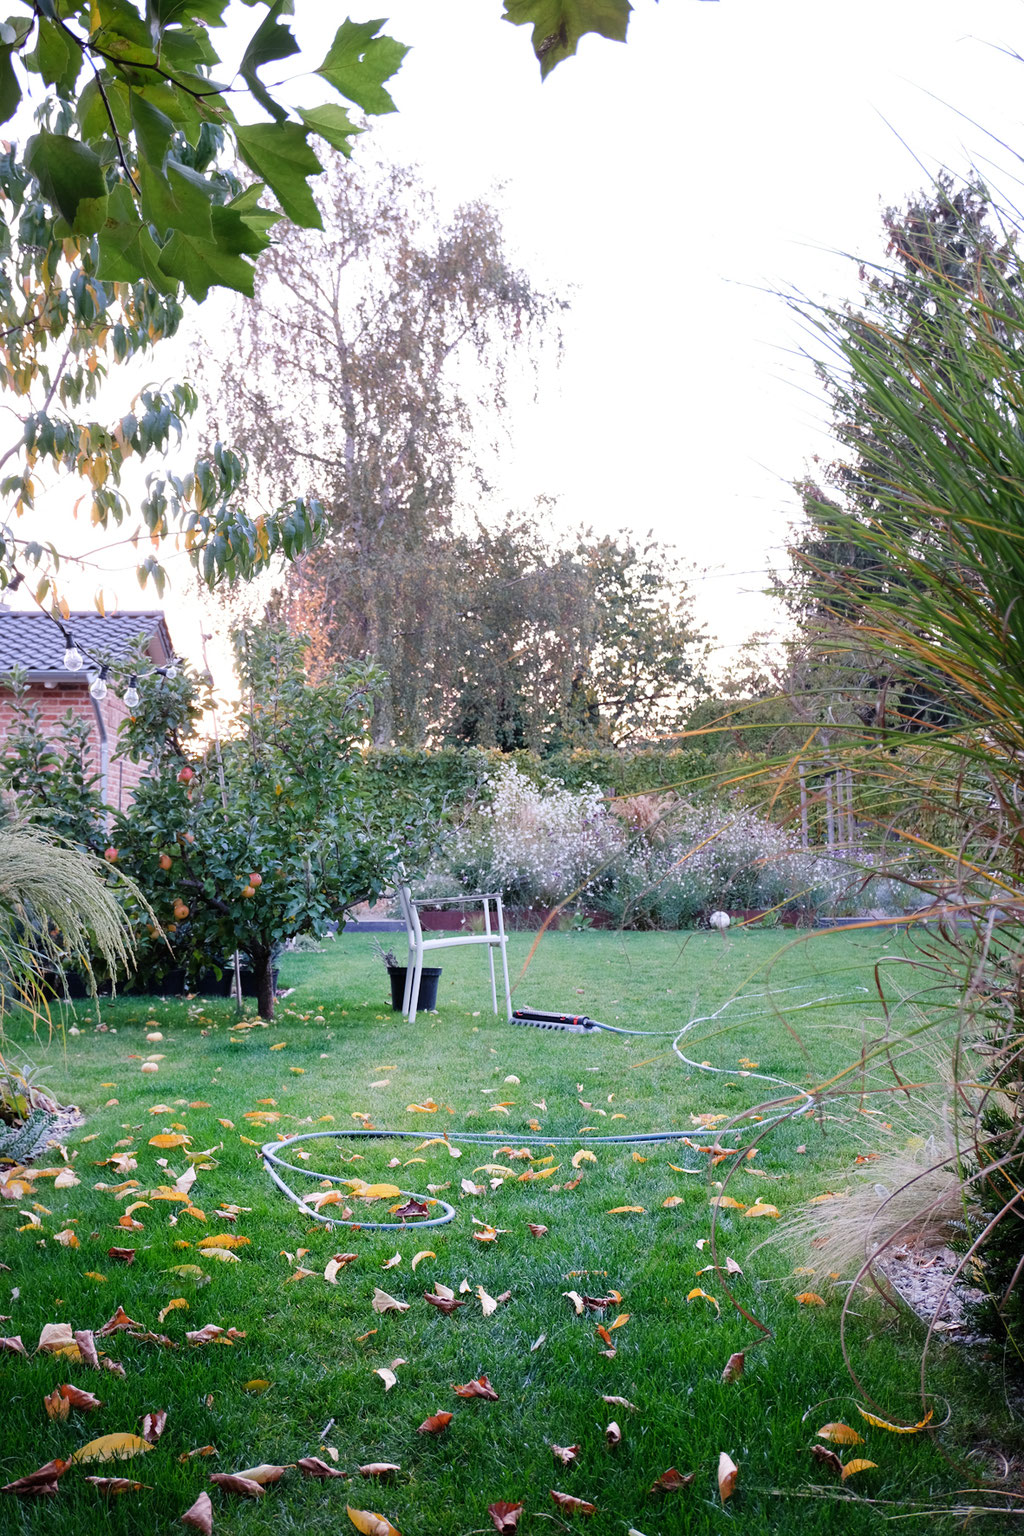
x=178 y=1303
x=671 y=1481
x=383 y=1469
x=116 y=1485
x=897 y=1429
x=312 y=1466
x=223 y=1240
x=434 y=1424
x=200 y=1450
x=87 y=1347
x=535 y=1230
x=13 y=1346
x=387 y=1376
x=728 y=1472
x=370 y=1524
x=858 y=1464
x=840 y=1434
x=810 y=1299
x=212 y=1333
x=112 y=1448
x=445 y=1304
x=583 y=1156
x=54 y=1336
x=566 y=1454
x=826 y=1458
x=577 y=1301
x=760 y=1209
x=620 y=1322
x=613 y=1434
x=537 y=1343
x=200 y=1515
x=245 y=1487
x=43 y=1481
x=733 y=1367
x=57 y=1407
x=424 y=1253
x=726 y=1202
x=698 y=1295
x=266 y=1472
x=672 y=1201
x=120 y=1321
x=479 y=1388
x=382 y=1302
x=505 y=1516
x=122 y=1255
x=619 y=1210
x=572 y=1504
x=85 y=1400
x=395 y=1259
x=169 y=1139
x=257 y=1386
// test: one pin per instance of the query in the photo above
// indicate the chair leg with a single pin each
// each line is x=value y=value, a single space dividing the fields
x=417 y=972
x=408 y=993
x=494 y=990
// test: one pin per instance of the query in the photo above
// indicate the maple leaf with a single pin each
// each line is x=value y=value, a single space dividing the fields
x=505 y=1516
x=566 y=1454
x=670 y=1481
x=479 y=1388
x=570 y=1502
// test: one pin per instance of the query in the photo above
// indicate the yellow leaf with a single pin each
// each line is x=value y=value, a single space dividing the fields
x=672 y=1200
x=92 y=1274
x=376 y=1192
x=897 y=1429
x=538 y=1173
x=370 y=1524
x=619 y=1322
x=810 y=1299
x=760 y=1210
x=112 y=1448
x=619 y=1210
x=223 y=1254
x=698 y=1293
x=858 y=1464
x=424 y=1253
x=726 y=1202
x=583 y=1156
x=258 y=1385
x=169 y=1139
x=840 y=1434
x=172 y=1306
x=637 y=1158
x=279 y=1046
x=223 y=1240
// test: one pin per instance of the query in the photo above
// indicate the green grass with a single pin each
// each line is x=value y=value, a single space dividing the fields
x=313 y=1342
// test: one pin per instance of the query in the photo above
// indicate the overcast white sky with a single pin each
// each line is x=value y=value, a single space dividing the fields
x=731 y=149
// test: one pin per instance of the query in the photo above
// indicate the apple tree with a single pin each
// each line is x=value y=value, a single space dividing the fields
x=245 y=842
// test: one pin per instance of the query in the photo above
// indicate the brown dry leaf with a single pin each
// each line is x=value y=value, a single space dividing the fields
x=200 y=1515
x=840 y=1434
x=858 y=1464
x=733 y=1367
x=41 y=1482
x=13 y=1346
x=370 y=1524
x=619 y=1402
x=810 y=1299
x=112 y=1448
x=115 y=1324
x=387 y=1376
x=396 y=1258
x=728 y=1472
x=671 y=1481
x=434 y=1424
x=122 y=1255
x=86 y=1343
x=445 y=1304
x=212 y=1333
x=826 y=1458
x=897 y=1429
x=57 y=1407
x=577 y=1301
x=613 y=1434
x=79 y=1399
x=312 y=1466
x=732 y=1268
x=113 y=1485
x=245 y=1487
x=153 y=1425
x=479 y=1388
x=535 y=1230
x=382 y=1302
x=575 y=1506
x=200 y=1450
x=505 y=1516
x=383 y=1469
x=566 y=1454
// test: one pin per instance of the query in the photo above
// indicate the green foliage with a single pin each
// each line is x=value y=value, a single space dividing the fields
x=243 y=843
x=45 y=774
x=558 y=25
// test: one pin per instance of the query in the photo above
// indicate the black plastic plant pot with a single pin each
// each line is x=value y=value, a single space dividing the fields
x=427 y=998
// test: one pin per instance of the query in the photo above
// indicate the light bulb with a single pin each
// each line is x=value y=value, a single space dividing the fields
x=131 y=695
x=73 y=658
x=171 y=671
x=98 y=688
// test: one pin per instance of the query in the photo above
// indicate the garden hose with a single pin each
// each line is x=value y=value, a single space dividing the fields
x=271 y=1150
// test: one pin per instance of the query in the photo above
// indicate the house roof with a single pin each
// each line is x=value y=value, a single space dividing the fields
x=36 y=642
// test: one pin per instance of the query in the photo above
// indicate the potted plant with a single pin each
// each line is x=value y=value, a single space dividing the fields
x=430 y=975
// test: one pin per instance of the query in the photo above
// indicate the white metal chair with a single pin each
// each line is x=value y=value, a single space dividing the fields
x=493 y=937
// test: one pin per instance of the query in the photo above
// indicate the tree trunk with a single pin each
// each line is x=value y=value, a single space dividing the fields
x=804 y=834
x=263 y=970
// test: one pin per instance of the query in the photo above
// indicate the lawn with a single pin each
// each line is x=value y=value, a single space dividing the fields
x=303 y=1381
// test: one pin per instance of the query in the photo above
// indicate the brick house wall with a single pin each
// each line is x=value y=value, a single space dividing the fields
x=35 y=643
